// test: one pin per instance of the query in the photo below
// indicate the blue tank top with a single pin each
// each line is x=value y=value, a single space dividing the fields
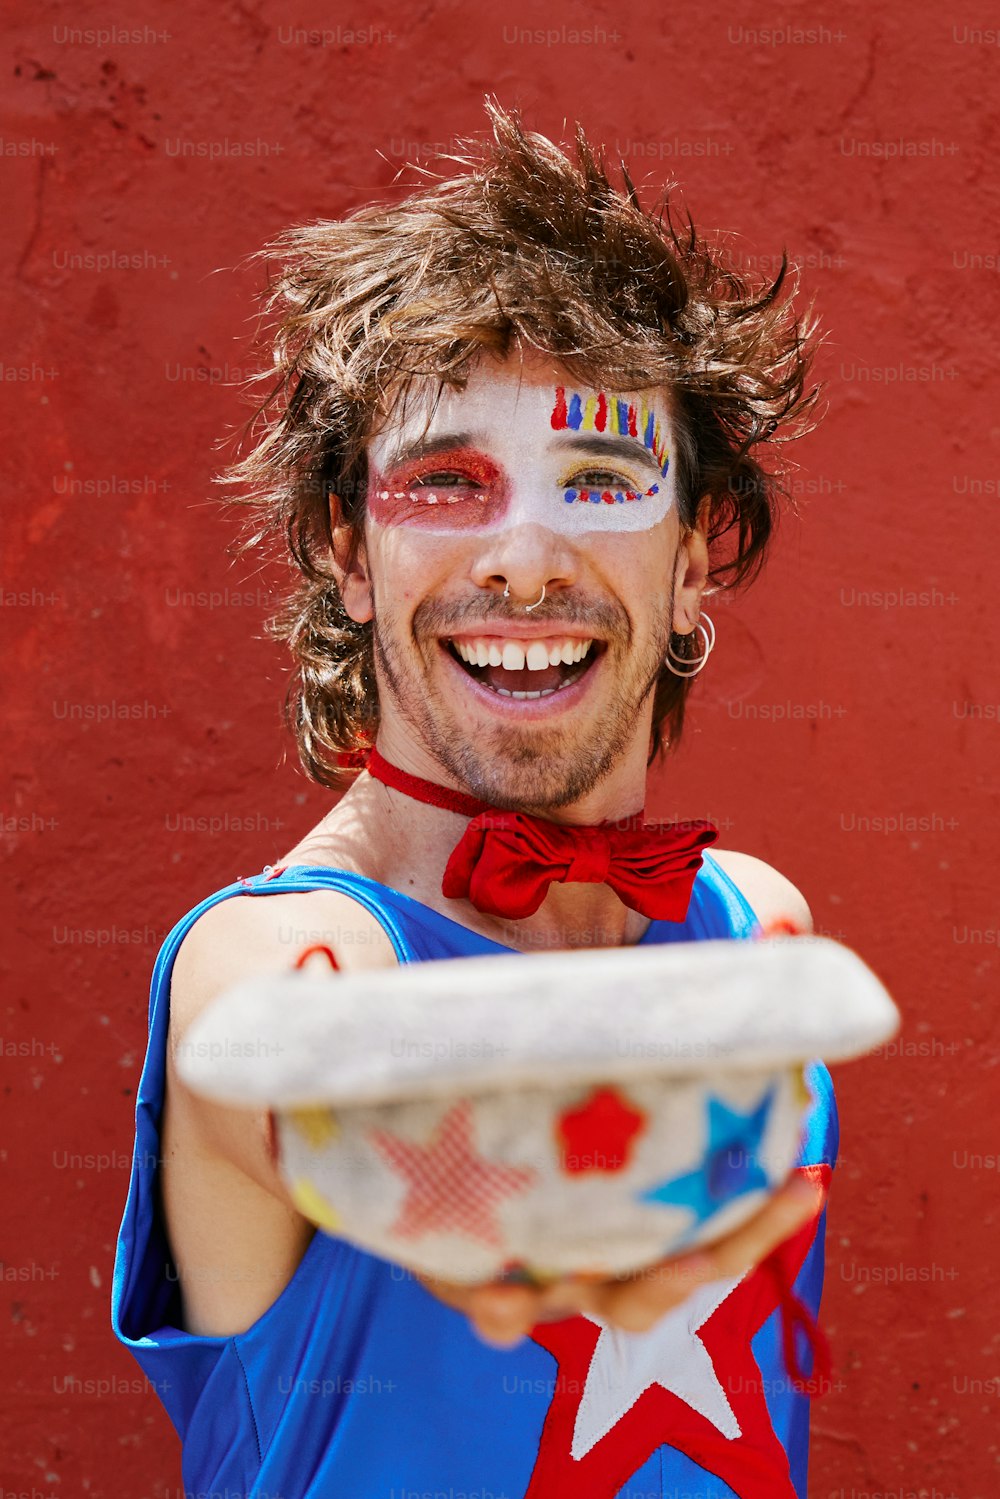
x=356 y=1383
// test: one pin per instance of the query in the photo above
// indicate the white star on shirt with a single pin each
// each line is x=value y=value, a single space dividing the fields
x=626 y=1364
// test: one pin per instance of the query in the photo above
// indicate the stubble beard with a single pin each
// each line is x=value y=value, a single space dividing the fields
x=529 y=769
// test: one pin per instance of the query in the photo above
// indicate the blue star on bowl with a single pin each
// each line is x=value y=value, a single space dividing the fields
x=730 y=1166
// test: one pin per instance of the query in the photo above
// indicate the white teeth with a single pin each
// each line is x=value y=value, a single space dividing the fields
x=515 y=656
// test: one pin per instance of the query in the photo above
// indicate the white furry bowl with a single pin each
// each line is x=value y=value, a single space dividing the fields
x=544 y=1114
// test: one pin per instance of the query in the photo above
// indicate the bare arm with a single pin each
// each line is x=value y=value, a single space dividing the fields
x=236 y=1236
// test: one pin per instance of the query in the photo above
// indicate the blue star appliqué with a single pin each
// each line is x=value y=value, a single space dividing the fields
x=730 y=1167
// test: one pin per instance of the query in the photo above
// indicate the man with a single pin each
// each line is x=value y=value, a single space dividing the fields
x=516 y=430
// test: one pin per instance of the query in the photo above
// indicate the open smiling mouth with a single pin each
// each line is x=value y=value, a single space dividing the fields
x=525 y=668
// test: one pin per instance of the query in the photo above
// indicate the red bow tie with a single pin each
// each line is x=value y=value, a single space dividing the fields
x=505 y=862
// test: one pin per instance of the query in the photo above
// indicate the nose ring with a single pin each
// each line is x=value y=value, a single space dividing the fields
x=528 y=607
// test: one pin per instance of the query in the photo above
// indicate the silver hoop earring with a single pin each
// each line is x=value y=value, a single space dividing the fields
x=707 y=631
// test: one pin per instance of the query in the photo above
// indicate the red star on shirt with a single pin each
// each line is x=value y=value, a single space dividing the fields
x=691 y=1383
x=598 y=1136
x=449 y=1186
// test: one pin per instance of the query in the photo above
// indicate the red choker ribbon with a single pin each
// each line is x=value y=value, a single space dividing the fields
x=505 y=862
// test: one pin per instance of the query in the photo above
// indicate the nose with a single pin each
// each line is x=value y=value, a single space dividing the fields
x=522 y=560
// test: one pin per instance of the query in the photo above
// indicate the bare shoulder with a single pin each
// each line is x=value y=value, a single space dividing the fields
x=265 y=933
x=771 y=894
x=257 y=934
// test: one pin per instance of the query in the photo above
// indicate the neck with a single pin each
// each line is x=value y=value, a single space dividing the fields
x=405 y=844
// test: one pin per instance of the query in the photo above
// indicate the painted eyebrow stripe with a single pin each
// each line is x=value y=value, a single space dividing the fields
x=626 y=419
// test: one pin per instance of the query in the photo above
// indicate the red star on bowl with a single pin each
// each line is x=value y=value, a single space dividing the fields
x=449 y=1187
x=598 y=1136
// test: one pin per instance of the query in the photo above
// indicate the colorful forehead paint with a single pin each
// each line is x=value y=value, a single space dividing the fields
x=604 y=413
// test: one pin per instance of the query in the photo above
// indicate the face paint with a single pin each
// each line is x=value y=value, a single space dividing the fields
x=464 y=487
x=607 y=496
x=503 y=432
x=604 y=413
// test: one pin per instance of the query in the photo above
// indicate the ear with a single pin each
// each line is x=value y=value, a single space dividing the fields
x=691 y=570
x=353 y=578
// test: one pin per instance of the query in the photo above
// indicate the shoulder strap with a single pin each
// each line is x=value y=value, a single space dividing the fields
x=277 y=880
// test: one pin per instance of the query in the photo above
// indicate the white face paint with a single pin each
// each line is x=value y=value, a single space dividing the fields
x=517 y=449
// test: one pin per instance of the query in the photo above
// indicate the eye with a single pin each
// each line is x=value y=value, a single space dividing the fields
x=445 y=478
x=602 y=478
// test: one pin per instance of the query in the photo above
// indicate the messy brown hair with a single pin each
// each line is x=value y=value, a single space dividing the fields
x=526 y=244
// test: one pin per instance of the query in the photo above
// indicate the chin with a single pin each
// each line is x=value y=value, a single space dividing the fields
x=522 y=772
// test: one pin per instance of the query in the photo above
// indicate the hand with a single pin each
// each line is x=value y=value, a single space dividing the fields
x=503 y=1314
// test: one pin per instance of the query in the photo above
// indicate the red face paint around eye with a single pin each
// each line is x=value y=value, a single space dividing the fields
x=455 y=489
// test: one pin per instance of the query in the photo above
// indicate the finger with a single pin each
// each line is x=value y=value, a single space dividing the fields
x=637 y=1302
x=503 y=1314
x=450 y=1292
x=556 y=1299
x=796 y=1204
x=568 y=1297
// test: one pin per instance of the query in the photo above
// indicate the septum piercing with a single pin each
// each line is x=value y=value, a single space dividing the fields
x=528 y=607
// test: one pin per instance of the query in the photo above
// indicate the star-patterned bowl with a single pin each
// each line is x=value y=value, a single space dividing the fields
x=541 y=1115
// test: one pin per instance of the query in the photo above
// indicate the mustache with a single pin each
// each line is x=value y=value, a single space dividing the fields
x=598 y=616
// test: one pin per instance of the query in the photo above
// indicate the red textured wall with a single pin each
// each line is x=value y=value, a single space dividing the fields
x=856 y=681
